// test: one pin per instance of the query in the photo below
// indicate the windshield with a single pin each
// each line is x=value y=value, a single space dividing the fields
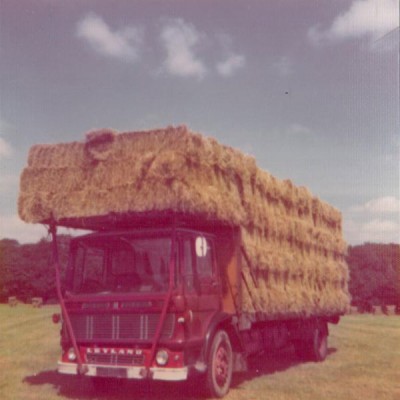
x=121 y=264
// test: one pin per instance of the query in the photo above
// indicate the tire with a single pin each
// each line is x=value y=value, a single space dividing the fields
x=220 y=365
x=319 y=349
x=315 y=347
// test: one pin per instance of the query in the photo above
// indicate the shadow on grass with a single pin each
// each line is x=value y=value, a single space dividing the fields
x=271 y=363
x=74 y=387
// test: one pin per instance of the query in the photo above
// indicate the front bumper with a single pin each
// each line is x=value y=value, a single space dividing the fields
x=156 y=373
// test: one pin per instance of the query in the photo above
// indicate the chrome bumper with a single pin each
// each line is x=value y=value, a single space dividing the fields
x=156 y=373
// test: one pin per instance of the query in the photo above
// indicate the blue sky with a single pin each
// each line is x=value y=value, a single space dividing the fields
x=310 y=89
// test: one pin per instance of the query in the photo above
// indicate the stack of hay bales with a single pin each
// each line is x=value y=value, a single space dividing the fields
x=292 y=240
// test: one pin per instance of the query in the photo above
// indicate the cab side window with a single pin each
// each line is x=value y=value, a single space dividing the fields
x=204 y=257
x=187 y=265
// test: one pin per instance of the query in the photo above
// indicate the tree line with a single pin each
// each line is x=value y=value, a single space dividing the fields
x=26 y=271
x=374 y=275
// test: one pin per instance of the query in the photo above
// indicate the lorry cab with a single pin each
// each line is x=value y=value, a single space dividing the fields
x=142 y=303
x=145 y=263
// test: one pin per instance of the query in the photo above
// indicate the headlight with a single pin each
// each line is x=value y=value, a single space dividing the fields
x=71 y=354
x=162 y=357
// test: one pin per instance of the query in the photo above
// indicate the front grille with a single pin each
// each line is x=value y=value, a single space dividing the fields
x=115 y=359
x=120 y=326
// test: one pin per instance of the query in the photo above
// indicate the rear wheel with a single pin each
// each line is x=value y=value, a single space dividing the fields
x=315 y=346
x=220 y=364
x=320 y=343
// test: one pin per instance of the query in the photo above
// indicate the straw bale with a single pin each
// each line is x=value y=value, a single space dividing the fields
x=99 y=144
x=293 y=239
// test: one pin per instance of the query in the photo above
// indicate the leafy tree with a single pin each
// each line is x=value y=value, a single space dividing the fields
x=26 y=270
x=9 y=259
x=374 y=274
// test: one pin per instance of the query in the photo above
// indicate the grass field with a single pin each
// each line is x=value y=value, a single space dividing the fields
x=363 y=363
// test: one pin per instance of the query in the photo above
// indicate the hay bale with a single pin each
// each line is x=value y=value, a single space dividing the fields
x=12 y=301
x=391 y=309
x=37 y=302
x=293 y=239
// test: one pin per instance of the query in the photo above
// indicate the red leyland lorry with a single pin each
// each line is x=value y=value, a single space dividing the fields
x=196 y=258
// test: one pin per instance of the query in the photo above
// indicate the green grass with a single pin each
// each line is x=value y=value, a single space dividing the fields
x=363 y=363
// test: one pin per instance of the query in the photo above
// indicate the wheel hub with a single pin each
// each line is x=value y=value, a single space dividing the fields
x=221 y=366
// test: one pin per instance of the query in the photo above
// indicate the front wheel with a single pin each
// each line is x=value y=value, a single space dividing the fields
x=220 y=365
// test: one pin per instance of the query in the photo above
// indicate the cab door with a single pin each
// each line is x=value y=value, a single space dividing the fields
x=206 y=271
x=201 y=281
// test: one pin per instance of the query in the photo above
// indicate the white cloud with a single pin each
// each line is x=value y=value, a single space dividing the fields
x=375 y=230
x=232 y=63
x=231 y=60
x=371 y=19
x=381 y=205
x=5 y=149
x=12 y=227
x=381 y=226
x=124 y=44
x=377 y=220
x=180 y=40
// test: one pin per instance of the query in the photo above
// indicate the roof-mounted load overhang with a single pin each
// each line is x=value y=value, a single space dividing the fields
x=112 y=180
